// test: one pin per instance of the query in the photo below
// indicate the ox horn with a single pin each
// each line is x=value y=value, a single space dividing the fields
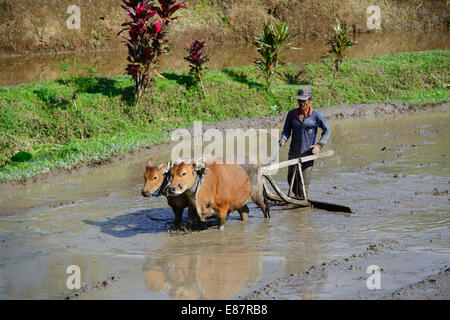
x=169 y=166
x=199 y=163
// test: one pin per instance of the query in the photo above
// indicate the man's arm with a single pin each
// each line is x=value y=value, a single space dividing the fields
x=326 y=130
x=286 y=129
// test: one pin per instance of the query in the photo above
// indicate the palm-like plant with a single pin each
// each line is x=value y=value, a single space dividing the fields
x=269 y=45
x=339 y=46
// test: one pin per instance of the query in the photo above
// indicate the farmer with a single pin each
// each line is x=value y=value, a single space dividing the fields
x=303 y=122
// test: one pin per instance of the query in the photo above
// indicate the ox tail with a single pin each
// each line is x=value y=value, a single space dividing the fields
x=259 y=194
x=266 y=204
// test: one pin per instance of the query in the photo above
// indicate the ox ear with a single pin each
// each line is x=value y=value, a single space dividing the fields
x=149 y=163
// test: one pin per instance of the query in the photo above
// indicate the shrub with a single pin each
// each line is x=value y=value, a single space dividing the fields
x=339 y=45
x=269 y=45
x=197 y=60
x=147 y=39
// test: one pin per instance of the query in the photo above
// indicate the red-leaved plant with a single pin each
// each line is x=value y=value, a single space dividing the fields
x=147 y=39
x=196 y=59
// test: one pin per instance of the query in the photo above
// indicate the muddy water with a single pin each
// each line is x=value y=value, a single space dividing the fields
x=386 y=170
x=32 y=68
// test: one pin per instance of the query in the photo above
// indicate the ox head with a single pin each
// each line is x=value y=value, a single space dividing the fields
x=156 y=179
x=184 y=176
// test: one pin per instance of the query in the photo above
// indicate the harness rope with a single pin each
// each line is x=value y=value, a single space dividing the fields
x=198 y=182
x=181 y=186
x=164 y=182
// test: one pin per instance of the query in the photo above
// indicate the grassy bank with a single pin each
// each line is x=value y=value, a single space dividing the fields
x=104 y=122
x=40 y=25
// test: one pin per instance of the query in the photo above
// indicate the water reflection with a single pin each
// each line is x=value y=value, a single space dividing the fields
x=34 y=68
x=210 y=265
x=216 y=276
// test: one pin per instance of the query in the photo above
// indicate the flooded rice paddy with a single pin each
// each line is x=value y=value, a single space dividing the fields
x=393 y=173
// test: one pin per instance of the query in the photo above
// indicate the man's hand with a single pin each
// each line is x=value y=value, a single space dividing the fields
x=282 y=142
x=316 y=149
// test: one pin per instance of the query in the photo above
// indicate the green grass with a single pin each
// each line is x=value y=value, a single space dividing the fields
x=105 y=123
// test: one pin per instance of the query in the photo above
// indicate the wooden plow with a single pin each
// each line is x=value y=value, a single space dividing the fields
x=281 y=199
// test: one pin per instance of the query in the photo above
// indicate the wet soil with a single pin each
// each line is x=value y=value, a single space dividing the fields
x=347 y=278
x=96 y=285
x=390 y=166
x=434 y=287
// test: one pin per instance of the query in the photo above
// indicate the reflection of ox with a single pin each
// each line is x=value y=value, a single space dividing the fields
x=218 y=187
x=195 y=276
x=156 y=180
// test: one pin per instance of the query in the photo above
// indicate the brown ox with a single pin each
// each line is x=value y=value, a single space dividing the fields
x=156 y=180
x=216 y=189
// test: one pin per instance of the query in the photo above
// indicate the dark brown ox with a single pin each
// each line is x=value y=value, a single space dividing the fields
x=216 y=189
x=156 y=180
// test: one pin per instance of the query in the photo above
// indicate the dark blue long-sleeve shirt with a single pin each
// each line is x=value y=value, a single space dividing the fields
x=304 y=132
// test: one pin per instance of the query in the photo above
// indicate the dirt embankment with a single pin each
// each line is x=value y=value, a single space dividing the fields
x=41 y=25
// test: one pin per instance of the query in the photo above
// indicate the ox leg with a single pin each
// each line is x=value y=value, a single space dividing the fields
x=243 y=212
x=222 y=218
x=192 y=216
x=222 y=223
x=178 y=211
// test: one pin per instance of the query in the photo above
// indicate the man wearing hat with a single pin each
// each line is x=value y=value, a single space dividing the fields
x=302 y=124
